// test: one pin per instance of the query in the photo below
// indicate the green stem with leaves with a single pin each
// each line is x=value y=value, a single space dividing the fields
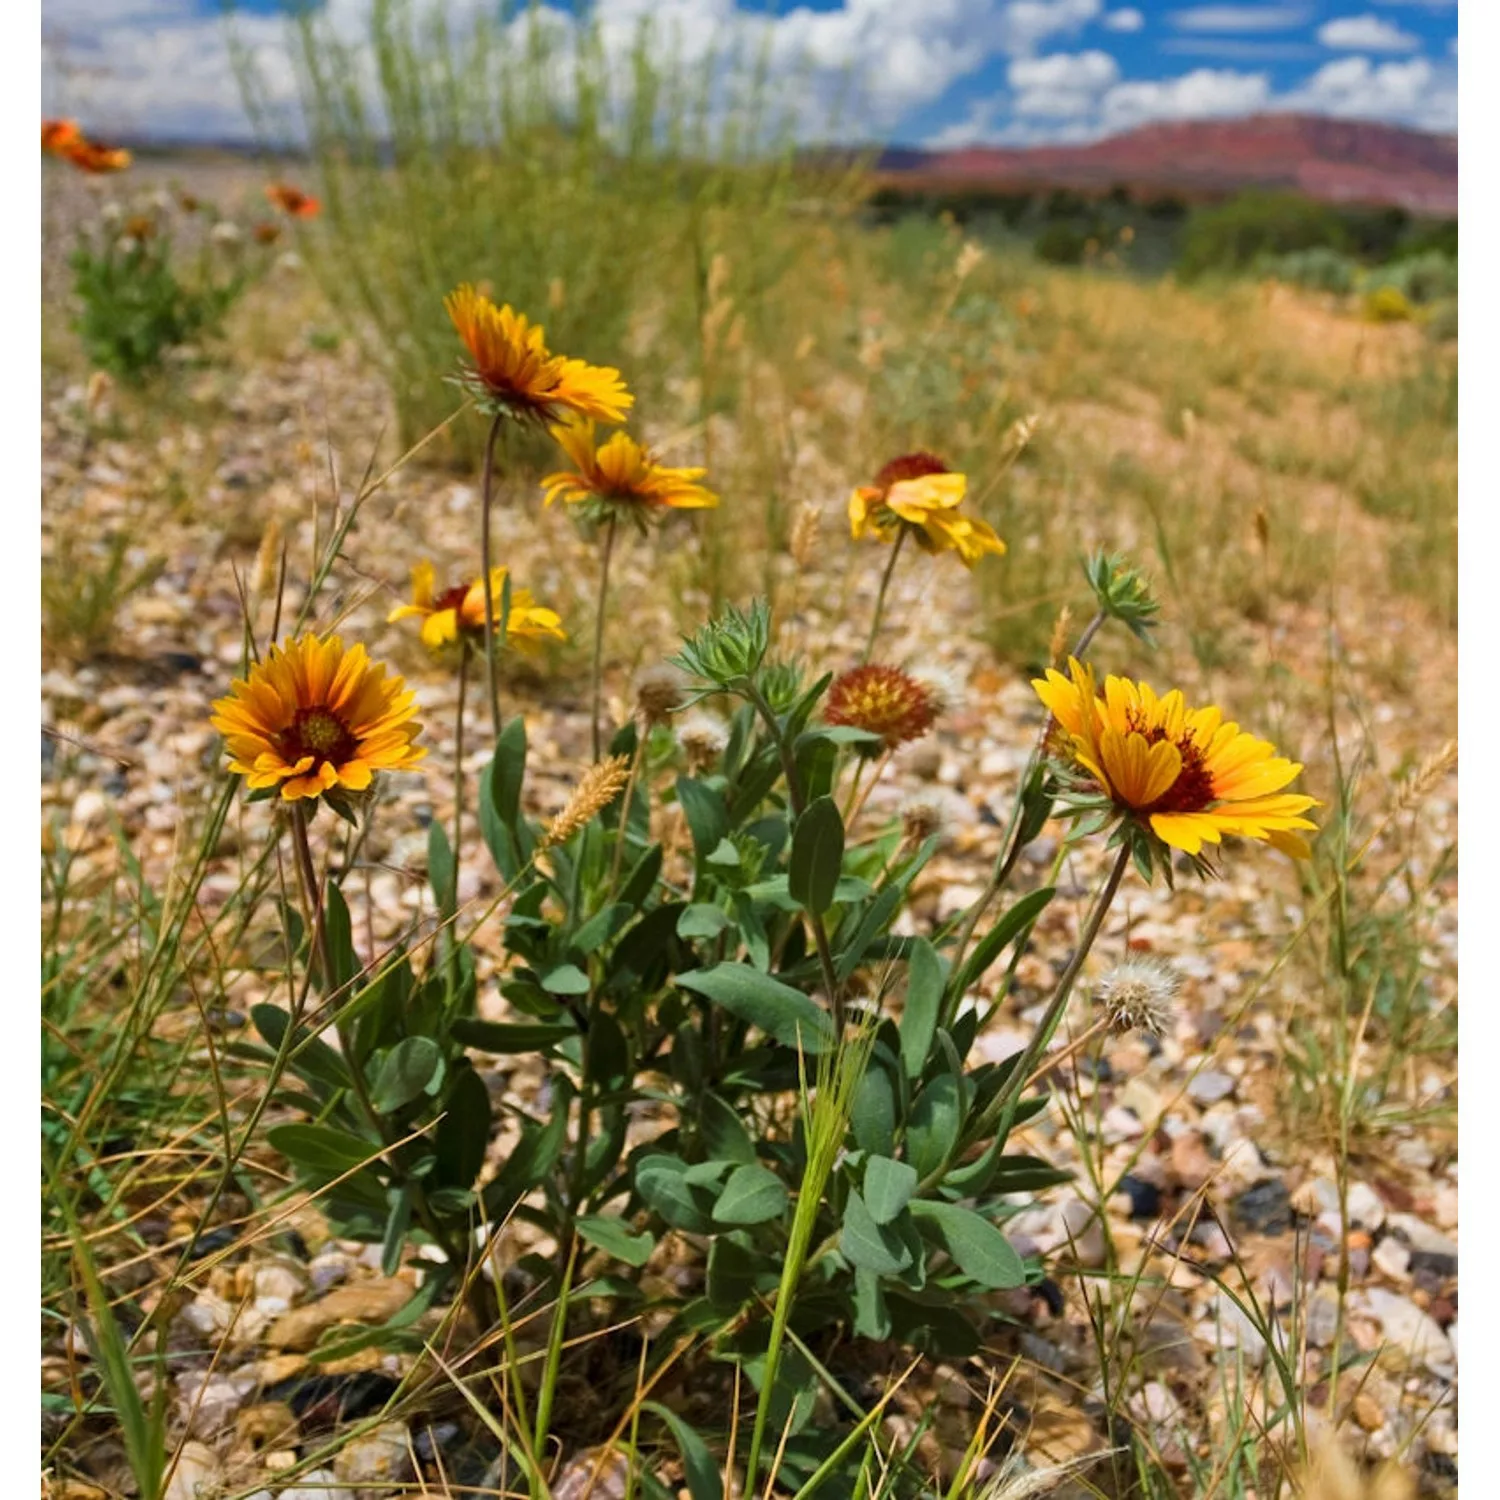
x=491 y=645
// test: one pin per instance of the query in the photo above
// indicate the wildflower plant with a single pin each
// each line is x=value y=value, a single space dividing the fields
x=700 y=952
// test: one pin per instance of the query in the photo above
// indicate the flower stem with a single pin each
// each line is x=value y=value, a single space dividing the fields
x=885 y=583
x=609 y=547
x=312 y=892
x=635 y=771
x=487 y=493
x=450 y=897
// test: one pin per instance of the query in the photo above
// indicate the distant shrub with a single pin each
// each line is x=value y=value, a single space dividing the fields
x=1061 y=245
x=1316 y=270
x=1387 y=304
x=1423 y=279
x=1442 y=323
x=1232 y=236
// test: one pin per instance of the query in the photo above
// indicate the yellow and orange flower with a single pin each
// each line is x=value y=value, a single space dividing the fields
x=313 y=717
x=91 y=157
x=620 y=473
x=458 y=613
x=513 y=370
x=1185 y=774
x=58 y=135
x=292 y=200
x=918 y=496
x=881 y=700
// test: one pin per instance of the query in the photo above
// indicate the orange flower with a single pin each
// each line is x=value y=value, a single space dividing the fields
x=313 y=717
x=58 y=135
x=266 y=234
x=881 y=700
x=292 y=200
x=620 y=473
x=514 y=371
x=96 y=159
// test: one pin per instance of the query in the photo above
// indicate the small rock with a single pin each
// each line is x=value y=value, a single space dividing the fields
x=1410 y=1334
x=1265 y=1208
x=577 y=1479
x=362 y=1302
x=1322 y=1319
x=1155 y=1407
x=381 y=1457
x=1210 y=1086
x=196 y=1476
x=209 y=1402
x=1391 y=1258
x=1367 y=1412
x=1366 y=1207
x=279 y=1278
x=317 y=1484
x=1145 y=1197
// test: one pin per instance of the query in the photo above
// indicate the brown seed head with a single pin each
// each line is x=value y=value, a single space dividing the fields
x=658 y=693
x=805 y=534
x=881 y=700
x=596 y=789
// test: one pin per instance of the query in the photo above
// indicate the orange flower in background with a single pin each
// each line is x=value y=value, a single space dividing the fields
x=313 y=717
x=266 y=234
x=513 y=370
x=139 y=226
x=458 y=612
x=1183 y=773
x=917 y=495
x=881 y=700
x=91 y=157
x=58 y=135
x=292 y=200
x=621 y=473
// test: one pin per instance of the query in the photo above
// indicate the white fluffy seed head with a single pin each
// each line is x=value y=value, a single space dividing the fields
x=945 y=690
x=658 y=693
x=703 y=738
x=923 y=815
x=1140 y=994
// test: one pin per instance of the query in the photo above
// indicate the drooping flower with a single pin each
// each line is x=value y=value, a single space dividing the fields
x=918 y=496
x=621 y=475
x=513 y=370
x=883 y=701
x=292 y=200
x=58 y=135
x=312 y=718
x=1184 y=774
x=96 y=159
x=457 y=613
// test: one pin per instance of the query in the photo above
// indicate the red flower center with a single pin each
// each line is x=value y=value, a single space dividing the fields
x=452 y=598
x=909 y=466
x=1194 y=788
x=320 y=733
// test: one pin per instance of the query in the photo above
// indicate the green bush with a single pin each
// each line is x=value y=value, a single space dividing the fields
x=1421 y=279
x=1317 y=270
x=1234 y=235
x=1061 y=245
x=135 y=303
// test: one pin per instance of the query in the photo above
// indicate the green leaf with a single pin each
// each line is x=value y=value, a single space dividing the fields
x=1025 y=1174
x=888 y=1187
x=780 y=1011
x=724 y=1135
x=925 y=977
x=659 y=1181
x=313 y=1058
x=462 y=1133
x=408 y=1070
x=321 y=1148
x=566 y=979
x=508 y=1037
x=873 y=1116
x=338 y=933
x=817 y=855
x=1017 y=920
x=979 y=1250
x=442 y=872
x=707 y=816
x=867 y=1245
x=698 y=1465
x=612 y=1235
x=396 y=1226
x=500 y=798
x=752 y=1195
x=701 y=920
x=936 y=1117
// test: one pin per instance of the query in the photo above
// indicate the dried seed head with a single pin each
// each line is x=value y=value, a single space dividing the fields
x=225 y=233
x=804 y=541
x=922 y=816
x=596 y=789
x=703 y=738
x=945 y=690
x=658 y=693
x=267 y=560
x=99 y=387
x=881 y=700
x=1139 y=995
x=1428 y=774
x=968 y=258
x=1262 y=528
x=557 y=293
x=1057 y=647
x=1017 y=438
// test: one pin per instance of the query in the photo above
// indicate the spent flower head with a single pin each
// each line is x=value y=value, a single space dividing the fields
x=659 y=691
x=1139 y=994
x=704 y=737
x=883 y=701
x=924 y=815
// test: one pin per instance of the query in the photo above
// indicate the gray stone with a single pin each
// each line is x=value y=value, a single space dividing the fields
x=1409 y=1331
x=1210 y=1086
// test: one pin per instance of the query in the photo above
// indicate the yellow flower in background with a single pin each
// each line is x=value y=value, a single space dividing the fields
x=621 y=473
x=513 y=369
x=917 y=495
x=458 y=612
x=312 y=717
x=1185 y=773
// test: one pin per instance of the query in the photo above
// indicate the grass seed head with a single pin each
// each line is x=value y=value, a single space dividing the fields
x=596 y=789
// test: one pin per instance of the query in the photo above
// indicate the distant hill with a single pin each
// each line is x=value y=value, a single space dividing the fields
x=1338 y=161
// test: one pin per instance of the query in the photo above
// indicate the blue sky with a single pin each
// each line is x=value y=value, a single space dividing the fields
x=924 y=72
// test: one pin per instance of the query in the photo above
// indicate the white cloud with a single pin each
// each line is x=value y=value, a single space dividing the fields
x=1205 y=93
x=1238 y=49
x=1128 y=19
x=1366 y=34
x=1240 y=17
x=1062 y=86
x=1417 y=92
